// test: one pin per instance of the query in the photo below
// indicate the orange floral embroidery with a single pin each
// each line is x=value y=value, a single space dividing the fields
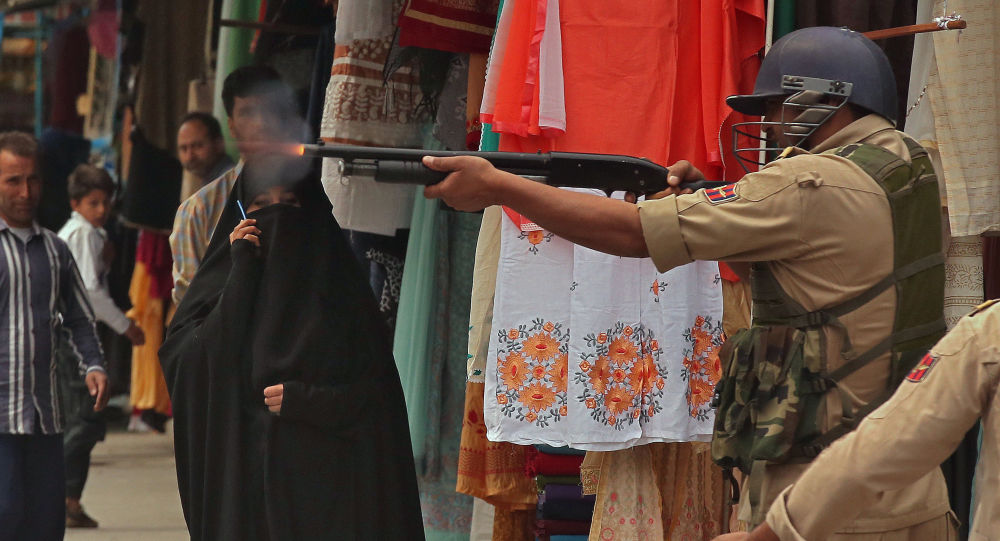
x=538 y=371
x=627 y=331
x=560 y=373
x=501 y=399
x=702 y=366
x=563 y=410
x=611 y=421
x=536 y=237
x=702 y=342
x=650 y=374
x=636 y=413
x=531 y=417
x=602 y=338
x=537 y=396
x=549 y=327
x=599 y=374
x=585 y=366
x=512 y=334
x=591 y=403
x=654 y=345
x=541 y=347
x=660 y=383
x=701 y=392
x=637 y=378
x=513 y=370
x=618 y=400
x=713 y=366
x=622 y=351
x=618 y=375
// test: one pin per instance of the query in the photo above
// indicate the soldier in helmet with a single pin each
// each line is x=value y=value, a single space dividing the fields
x=839 y=233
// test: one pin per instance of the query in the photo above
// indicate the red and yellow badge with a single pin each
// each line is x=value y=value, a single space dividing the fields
x=721 y=194
x=920 y=371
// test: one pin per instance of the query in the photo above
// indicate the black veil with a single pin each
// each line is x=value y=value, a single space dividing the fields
x=296 y=311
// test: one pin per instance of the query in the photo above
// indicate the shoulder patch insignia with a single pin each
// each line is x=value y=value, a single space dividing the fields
x=920 y=371
x=721 y=194
x=983 y=306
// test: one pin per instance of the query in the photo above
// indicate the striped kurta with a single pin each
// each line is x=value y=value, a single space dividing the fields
x=40 y=289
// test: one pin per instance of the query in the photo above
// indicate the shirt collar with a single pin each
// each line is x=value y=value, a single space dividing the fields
x=855 y=132
x=35 y=228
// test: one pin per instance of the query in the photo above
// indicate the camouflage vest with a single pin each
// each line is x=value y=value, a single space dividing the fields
x=775 y=374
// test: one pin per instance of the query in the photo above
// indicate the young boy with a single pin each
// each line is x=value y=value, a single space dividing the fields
x=90 y=189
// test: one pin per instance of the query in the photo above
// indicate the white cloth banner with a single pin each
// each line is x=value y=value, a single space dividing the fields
x=639 y=366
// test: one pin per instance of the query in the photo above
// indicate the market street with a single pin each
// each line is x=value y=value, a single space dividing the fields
x=132 y=490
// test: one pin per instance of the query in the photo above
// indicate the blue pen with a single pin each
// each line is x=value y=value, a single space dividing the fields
x=240 y=206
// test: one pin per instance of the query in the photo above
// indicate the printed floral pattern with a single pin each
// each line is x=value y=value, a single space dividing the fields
x=535 y=238
x=658 y=287
x=702 y=366
x=533 y=372
x=621 y=377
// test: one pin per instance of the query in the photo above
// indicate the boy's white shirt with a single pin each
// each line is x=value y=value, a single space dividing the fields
x=86 y=243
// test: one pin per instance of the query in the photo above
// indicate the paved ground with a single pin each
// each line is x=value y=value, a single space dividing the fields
x=132 y=490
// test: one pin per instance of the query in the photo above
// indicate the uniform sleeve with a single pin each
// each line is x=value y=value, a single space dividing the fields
x=78 y=316
x=761 y=219
x=899 y=442
x=185 y=244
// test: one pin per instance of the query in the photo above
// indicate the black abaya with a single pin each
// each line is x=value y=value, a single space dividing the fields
x=336 y=463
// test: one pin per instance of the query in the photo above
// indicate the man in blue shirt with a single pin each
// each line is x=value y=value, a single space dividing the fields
x=39 y=286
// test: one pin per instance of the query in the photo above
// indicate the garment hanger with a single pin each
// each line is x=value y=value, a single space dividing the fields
x=948 y=22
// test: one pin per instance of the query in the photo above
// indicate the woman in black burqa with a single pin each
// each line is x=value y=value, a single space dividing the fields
x=335 y=462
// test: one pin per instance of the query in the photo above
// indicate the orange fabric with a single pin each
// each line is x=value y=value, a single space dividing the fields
x=149 y=389
x=513 y=113
x=514 y=525
x=491 y=471
x=649 y=81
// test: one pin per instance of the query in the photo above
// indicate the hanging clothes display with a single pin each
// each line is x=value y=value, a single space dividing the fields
x=589 y=79
x=150 y=295
x=460 y=26
x=611 y=85
x=642 y=350
x=962 y=87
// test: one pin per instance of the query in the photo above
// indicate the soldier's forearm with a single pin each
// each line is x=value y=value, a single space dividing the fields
x=763 y=533
x=608 y=225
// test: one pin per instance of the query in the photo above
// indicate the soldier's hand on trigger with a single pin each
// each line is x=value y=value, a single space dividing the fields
x=680 y=173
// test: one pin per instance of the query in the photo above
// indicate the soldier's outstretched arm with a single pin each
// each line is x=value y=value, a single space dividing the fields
x=900 y=442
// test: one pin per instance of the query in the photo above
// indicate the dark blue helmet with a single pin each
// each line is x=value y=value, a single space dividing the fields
x=813 y=72
x=830 y=54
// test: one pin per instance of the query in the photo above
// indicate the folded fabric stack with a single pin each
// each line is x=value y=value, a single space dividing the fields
x=564 y=513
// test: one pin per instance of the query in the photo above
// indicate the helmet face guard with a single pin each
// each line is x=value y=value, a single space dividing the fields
x=802 y=113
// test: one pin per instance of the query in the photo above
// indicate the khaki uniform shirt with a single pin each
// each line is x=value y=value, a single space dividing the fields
x=908 y=436
x=824 y=228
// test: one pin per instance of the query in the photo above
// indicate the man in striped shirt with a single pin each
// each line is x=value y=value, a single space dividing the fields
x=40 y=288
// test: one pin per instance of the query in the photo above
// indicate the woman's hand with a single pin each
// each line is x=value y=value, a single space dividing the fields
x=246 y=230
x=272 y=397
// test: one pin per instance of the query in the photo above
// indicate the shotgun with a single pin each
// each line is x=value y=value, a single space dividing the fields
x=607 y=172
